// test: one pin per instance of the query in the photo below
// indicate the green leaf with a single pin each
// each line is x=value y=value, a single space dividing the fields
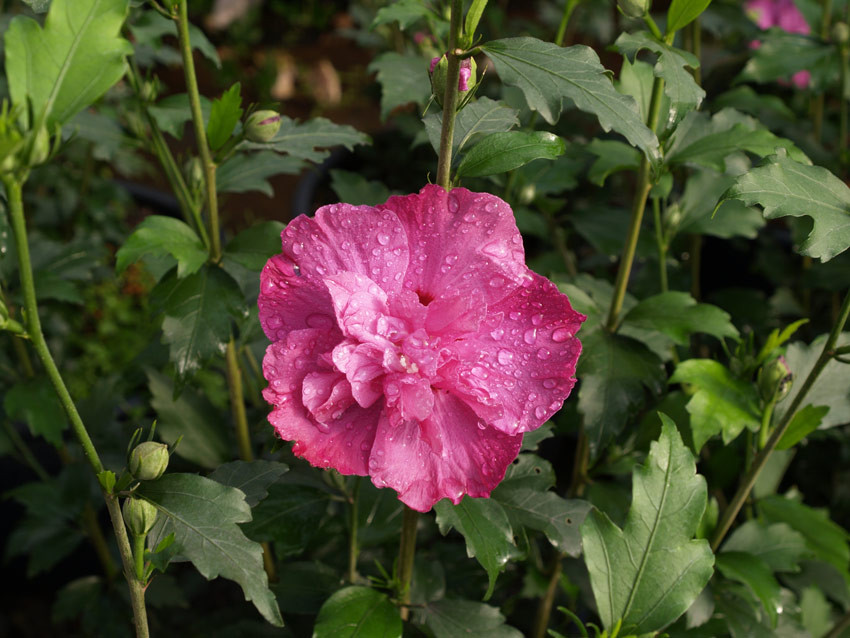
x=224 y=116
x=403 y=79
x=290 y=515
x=784 y=187
x=192 y=416
x=254 y=246
x=780 y=547
x=502 y=152
x=302 y=587
x=38 y=6
x=34 y=402
x=487 y=530
x=678 y=315
x=756 y=575
x=783 y=54
x=706 y=143
x=804 y=422
x=832 y=387
x=816 y=611
x=448 y=618
x=560 y=519
x=615 y=372
x=303 y=140
x=245 y=172
x=649 y=573
x=71 y=62
x=827 y=540
x=203 y=515
x=354 y=189
x=611 y=157
x=405 y=12
x=477 y=119
x=721 y=404
x=159 y=236
x=197 y=313
x=679 y=85
x=252 y=478
x=702 y=190
x=547 y=73
x=358 y=612
x=171 y=113
x=683 y=12
x=473 y=17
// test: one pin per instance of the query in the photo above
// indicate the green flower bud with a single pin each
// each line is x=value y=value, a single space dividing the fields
x=139 y=516
x=262 y=126
x=40 y=147
x=774 y=380
x=840 y=33
x=148 y=461
x=634 y=8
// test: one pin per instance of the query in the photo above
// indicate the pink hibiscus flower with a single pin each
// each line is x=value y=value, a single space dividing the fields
x=785 y=15
x=411 y=343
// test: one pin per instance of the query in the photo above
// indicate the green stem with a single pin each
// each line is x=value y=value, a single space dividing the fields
x=747 y=483
x=444 y=164
x=200 y=130
x=353 y=547
x=139 y=556
x=660 y=243
x=237 y=402
x=23 y=356
x=33 y=323
x=565 y=20
x=544 y=608
x=766 y=416
x=839 y=627
x=638 y=206
x=406 y=553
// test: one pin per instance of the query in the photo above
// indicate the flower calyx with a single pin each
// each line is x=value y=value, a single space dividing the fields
x=139 y=515
x=466 y=84
x=262 y=126
x=148 y=461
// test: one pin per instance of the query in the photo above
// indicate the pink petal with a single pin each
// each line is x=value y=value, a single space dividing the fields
x=358 y=303
x=357 y=239
x=459 y=242
x=343 y=442
x=517 y=370
x=289 y=302
x=801 y=79
x=450 y=454
x=450 y=316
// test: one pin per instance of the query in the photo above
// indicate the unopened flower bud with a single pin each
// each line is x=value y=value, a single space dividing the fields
x=40 y=147
x=840 y=33
x=634 y=8
x=262 y=126
x=774 y=380
x=467 y=77
x=139 y=516
x=148 y=461
x=149 y=90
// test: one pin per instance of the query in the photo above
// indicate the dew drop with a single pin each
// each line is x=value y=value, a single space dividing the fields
x=560 y=335
x=469 y=217
x=549 y=384
x=495 y=249
x=383 y=239
x=505 y=357
x=515 y=315
x=497 y=333
x=297 y=248
x=480 y=372
x=530 y=336
x=543 y=354
x=540 y=412
x=537 y=319
x=451 y=259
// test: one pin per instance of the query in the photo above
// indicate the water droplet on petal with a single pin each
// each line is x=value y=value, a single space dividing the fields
x=496 y=249
x=383 y=239
x=549 y=384
x=540 y=412
x=537 y=319
x=530 y=336
x=497 y=333
x=469 y=217
x=451 y=259
x=505 y=357
x=297 y=248
x=560 y=335
x=543 y=354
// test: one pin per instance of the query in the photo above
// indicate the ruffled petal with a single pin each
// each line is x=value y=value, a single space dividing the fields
x=517 y=370
x=447 y=455
x=344 y=442
x=459 y=242
x=358 y=239
x=290 y=302
x=358 y=303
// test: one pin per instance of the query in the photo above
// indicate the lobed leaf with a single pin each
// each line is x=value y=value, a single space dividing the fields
x=448 y=618
x=487 y=530
x=203 y=515
x=403 y=79
x=547 y=73
x=683 y=12
x=784 y=187
x=647 y=574
x=252 y=478
x=678 y=315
